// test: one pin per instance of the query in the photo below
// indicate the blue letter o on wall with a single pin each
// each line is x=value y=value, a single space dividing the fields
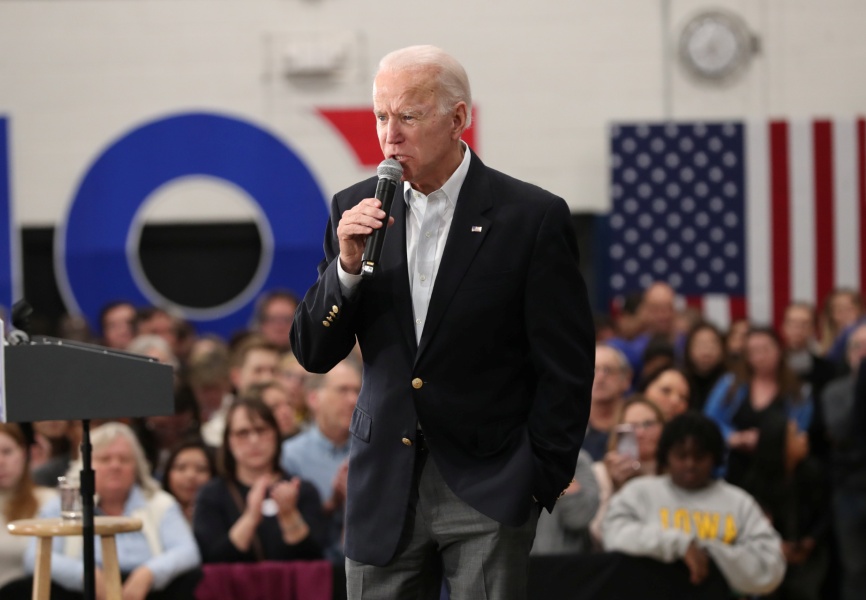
x=93 y=254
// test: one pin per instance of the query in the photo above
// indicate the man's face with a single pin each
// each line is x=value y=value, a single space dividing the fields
x=335 y=400
x=276 y=322
x=611 y=379
x=797 y=327
x=412 y=131
x=260 y=366
x=657 y=310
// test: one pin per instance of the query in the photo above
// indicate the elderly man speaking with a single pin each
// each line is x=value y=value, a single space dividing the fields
x=478 y=349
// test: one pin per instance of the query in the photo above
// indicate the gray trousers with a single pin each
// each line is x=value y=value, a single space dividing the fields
x=443 y=536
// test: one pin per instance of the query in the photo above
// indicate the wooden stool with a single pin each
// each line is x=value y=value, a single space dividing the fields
x=47 y=529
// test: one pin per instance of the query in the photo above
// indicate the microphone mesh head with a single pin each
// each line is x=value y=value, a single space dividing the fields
x=390 y=169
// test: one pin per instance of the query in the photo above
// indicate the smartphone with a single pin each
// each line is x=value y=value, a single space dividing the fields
x=626 y=443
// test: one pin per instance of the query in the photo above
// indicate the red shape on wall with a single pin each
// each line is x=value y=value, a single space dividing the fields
x=358 y=127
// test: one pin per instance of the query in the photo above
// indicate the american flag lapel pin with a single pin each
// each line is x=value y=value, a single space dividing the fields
x=476 y=229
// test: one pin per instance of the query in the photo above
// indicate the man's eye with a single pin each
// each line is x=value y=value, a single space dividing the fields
x=381 y=118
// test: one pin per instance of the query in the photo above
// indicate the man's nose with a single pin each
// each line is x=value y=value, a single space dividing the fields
x=393 y=132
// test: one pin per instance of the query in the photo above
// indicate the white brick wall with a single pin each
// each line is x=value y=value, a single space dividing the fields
x=547 y=76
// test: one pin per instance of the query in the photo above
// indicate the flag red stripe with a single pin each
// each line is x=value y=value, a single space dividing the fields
x=780 y=234
x=737 y=308
x=861 y=189
x=695 y=302
x=822 y=135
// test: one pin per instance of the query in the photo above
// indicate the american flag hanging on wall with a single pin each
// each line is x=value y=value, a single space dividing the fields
x=741 y=218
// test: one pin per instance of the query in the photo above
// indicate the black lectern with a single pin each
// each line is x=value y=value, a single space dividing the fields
x=54 y=379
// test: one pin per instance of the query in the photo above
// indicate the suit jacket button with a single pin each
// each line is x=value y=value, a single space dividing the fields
x=326 y=324
x=407 y=441
x=417 y=383
x=335 y=308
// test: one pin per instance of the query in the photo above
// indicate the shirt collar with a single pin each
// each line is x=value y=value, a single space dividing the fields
x=451 y=189
x=324 y=443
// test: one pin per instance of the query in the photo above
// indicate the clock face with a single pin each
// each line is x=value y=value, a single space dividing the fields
x=715 y=46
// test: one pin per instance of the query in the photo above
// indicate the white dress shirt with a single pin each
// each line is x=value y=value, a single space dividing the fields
x=428 y=221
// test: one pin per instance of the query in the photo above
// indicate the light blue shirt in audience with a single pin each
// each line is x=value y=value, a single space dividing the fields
x=312 y=456
x=179 y=550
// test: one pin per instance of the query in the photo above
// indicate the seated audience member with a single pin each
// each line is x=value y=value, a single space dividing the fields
x=791 y=488
x=159 y=434
x=277 y=398
x=735 y=341
x=293 y=377
x=117 y=324
x=628 y=322
x=605 y=329
x=19 y=499
x=612 y=380
x=814 y=371
x=631 y=453
x=843 y=309
x=801 y=348
x=320 y=454
x=75 y=328
x=761 y=384
x=152 y=320
x=210 y=384
x=254 y=511
x=844 y=408
x=658 y=355
x=669 y=390
x=253 y=360
x=566 y=529
x=658 y=320
x=687 y=515
x=686 y=319
x=57 y=442
x=273 y=316
x=189 y=466
x=704 y=362
x=161 y=560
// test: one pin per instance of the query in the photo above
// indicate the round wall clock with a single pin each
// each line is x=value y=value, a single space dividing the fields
x=715 y=46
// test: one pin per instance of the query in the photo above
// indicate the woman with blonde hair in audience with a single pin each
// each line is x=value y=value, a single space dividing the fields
x=19 y=499
x=631 y=452
x=254 y=511
x=158 y=562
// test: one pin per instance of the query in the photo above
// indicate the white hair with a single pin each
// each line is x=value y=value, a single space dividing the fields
x=143 y=344
x=104 y=435
x=450 y=74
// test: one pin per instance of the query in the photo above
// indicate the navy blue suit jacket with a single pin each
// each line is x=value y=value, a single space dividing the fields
x=501 y=378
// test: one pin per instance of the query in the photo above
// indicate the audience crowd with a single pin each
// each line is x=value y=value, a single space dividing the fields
x=739 y=450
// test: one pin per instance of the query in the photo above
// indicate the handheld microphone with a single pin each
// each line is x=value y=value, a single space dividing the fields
x=390 y=172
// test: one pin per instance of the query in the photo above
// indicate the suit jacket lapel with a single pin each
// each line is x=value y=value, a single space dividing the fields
x=464 y=240
x=393 y=262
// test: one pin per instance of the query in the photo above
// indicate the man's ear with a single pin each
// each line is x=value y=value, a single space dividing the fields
x=458 y=120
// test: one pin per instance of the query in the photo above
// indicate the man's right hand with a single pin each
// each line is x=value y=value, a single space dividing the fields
x=354 y=227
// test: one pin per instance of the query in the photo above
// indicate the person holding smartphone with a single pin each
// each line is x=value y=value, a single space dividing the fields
x=631 y=452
